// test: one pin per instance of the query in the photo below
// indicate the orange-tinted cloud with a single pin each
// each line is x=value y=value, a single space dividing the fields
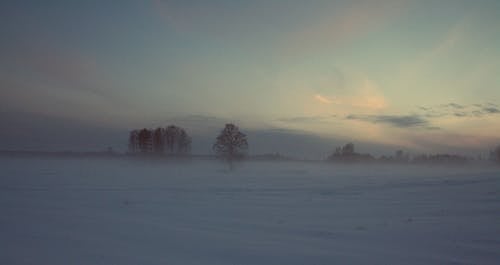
x=367 y=96
x=323 y=99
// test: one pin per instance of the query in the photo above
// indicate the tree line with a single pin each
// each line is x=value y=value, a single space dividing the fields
x=171 y=140
x=231 y=144
x=347 y=153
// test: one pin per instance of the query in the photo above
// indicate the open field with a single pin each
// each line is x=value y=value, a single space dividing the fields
x=119 y=211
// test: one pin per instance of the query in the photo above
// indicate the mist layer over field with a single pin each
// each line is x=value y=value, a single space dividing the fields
x=120 y=211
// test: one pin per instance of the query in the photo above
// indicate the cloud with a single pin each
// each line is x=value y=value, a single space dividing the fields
x=364 y=95
x=400 y=121
x=367 y=96
x=307 y=119
x=323 y=99
x=452 y=109
x=455 y=105
x=491 y=110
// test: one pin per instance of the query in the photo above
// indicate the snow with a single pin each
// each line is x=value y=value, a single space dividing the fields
x=119 y=211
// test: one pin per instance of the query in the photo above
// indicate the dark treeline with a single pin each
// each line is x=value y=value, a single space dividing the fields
x=171 y=140
x=231 y=144
x=347 y=153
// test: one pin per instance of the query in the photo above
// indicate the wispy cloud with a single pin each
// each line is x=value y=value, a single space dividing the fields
x=455 y=105
x=323 y=99
x=307 y=119
x=400 y=121
x=491 y=110
x=362 y=94
x=460 y=110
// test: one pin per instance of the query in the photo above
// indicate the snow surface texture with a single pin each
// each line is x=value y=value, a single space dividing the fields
x=77 y=211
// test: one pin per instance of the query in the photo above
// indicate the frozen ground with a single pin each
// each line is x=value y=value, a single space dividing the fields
x=94 y=211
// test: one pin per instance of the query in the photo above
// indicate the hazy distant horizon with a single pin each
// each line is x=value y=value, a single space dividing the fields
x=69 y=135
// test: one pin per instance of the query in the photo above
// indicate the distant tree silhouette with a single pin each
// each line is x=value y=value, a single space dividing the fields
x=344 y=151
x=159 y=140
x=495 y=154
x=348 y=149
x=172 y=140
x=170 y=134
x=347 y=154
x=133 y=141
x=145 y=141
x=400 y=156
x=183 y=142
x=177 y=141
x=230 y=144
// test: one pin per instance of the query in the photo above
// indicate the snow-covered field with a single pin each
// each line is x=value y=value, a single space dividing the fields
x=97 y=211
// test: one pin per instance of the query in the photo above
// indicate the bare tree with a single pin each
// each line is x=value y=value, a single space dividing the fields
x=172 y=139
x=401 y=157
x=495 y=154
x=133 y=141
x=171 y=135
x=159 y=140
x=183 y=142
x=231 y=144
x=348 y=149
x=348 y=154
x=145 y=141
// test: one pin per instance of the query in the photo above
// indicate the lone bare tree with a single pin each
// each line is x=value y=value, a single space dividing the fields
x=231 y=144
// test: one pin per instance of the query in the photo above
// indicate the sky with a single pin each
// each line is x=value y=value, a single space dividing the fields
x=299 y=77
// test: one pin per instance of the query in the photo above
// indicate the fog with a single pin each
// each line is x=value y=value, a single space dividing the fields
x=156 y=211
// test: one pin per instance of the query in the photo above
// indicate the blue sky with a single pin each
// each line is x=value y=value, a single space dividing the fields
x=416 y=75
